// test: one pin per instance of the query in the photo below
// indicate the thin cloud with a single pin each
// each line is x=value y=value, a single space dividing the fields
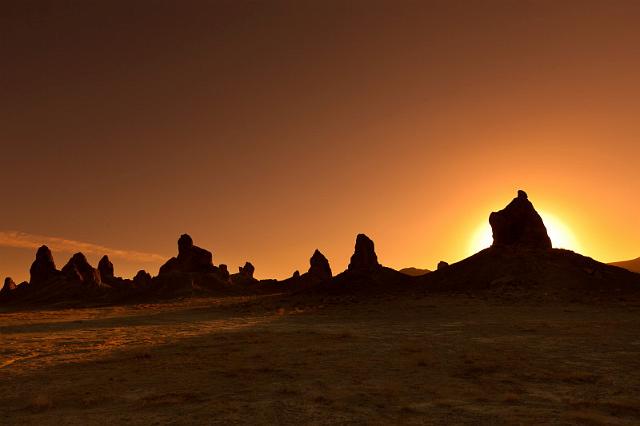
x=18 y=239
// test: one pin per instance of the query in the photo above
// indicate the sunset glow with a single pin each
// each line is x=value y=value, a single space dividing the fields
x=561 y=235
x=268 y=132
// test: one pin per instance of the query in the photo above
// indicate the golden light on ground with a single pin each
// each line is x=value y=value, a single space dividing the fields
x=561 y=235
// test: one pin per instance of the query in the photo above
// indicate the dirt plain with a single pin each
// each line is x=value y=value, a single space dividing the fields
x=384 y=360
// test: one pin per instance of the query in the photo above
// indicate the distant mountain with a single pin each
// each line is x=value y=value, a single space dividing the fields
x=414 y=272
x=631 y=265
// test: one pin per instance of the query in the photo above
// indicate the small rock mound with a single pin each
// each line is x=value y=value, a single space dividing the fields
x=319 y=266
x=9 y=286
x=364 y=258
x=442 y=265
x=519 y=224
x=43 y=268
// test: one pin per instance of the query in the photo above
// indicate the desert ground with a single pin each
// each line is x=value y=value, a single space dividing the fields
x=385 y=360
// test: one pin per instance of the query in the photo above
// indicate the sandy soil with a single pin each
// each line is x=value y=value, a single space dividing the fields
x=433 y=360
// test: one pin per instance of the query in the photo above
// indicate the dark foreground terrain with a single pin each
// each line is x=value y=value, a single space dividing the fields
x=388 y=360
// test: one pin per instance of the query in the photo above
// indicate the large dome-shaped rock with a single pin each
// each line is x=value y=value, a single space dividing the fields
x=43 y=268
x=190 y=258
x=78 y=268
x=519 y=224
x=319 y=266
x=364 y=258
x=105 y=267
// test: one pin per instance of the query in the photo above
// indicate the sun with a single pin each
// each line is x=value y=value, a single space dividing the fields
x=560 y=234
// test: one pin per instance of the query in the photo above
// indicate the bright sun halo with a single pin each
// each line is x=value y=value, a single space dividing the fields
x=560 y=234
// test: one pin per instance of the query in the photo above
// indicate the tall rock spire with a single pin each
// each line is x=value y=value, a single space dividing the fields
x=519 y=224
x=364 y=257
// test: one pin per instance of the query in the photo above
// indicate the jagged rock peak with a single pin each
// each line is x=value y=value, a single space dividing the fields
x=519 y=224
x=79 y=268
x=364 y=258
x=105 y=267
x=43 y=267
x=319 y=266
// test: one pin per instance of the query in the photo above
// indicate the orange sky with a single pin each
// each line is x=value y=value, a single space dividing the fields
x=269 y=129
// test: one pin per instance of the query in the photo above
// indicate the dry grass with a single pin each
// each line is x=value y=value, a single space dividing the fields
x=444 y=361
x=589 y=417
x=40 y=403
x=579 y=377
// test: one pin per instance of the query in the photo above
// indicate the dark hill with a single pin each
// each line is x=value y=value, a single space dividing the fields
x=532 y=273
x=631 y=265
x=414 y=272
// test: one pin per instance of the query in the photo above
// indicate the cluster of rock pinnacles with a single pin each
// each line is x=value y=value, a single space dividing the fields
x=518 y=224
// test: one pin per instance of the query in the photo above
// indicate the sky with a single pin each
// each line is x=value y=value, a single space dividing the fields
x=267 y=129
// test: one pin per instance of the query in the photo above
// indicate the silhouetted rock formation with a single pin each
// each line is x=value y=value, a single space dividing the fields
x=185 y=243
x=442 y=265
x=364 y=276
x=519 y=224
x=142 y=278
x=190 y=258
x=78 y=268
x=364 y=258
x=43 y=268
x=105 y=267
x=77 y=283
x=522 y=265
x=244 y=275
x=9 y=286
x=319 y=266
x=319 y=272
x=224 y=271
x=193 y=272
x=247 y=270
